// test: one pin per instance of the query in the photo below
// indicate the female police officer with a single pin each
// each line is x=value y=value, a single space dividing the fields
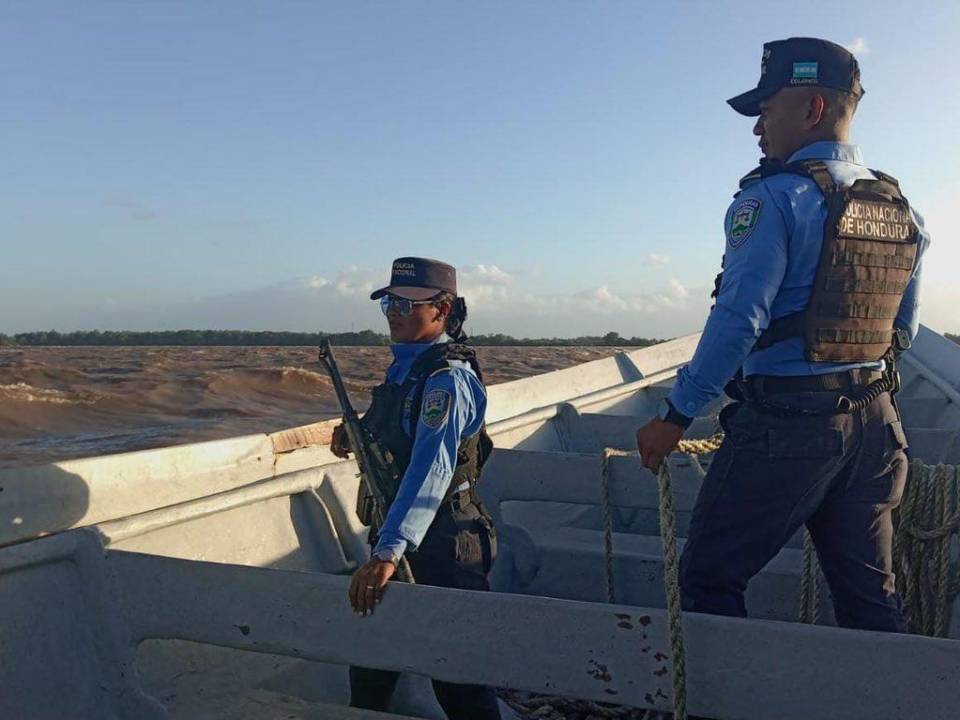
x=429 y=414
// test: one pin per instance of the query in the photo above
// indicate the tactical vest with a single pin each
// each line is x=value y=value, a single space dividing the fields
x=393 y=401
x=866 y=262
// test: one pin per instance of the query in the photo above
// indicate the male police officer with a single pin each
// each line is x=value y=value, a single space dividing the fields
x=820 y=281
x=429 y=414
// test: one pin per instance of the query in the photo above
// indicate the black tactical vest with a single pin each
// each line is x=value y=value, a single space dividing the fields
x=393 y=401
x=866 y=262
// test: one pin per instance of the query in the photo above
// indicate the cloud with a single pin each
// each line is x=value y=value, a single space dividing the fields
x=658 y=260
x=486 y=285
x=678 y=290
x=357 y=282
x=601 y=300
x=661 y=312
x=485 y=274
x=858 y=46
x=497 y=302
x=133 y=207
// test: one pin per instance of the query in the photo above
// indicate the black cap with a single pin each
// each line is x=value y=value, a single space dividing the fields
x=417 y=278
x=796 y=62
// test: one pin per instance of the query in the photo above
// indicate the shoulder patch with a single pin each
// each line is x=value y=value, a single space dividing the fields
x=743 y=220
x=436 y=405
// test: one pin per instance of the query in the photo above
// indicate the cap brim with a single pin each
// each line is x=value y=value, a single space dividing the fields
x=748 y=103
x=410 y=293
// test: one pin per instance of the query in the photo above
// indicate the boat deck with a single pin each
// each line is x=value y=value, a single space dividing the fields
x=210 y=580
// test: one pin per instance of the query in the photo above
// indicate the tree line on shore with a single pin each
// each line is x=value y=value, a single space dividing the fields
x=246 y=337
x=267 y=337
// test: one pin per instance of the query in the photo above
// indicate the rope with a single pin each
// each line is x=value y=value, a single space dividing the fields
x=929 y=517
x=927 y=581
x=810 y=582
x=691 y=447
x=608 y=519
x=671 y=558
x=671 y=584
x=702 y=446
x=552 y=707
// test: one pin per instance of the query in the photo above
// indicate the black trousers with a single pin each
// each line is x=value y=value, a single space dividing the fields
x=457 y=552
x=840 y=475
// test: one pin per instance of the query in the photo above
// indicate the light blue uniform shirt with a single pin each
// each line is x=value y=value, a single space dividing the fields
x=434 y=455
x=769 y=274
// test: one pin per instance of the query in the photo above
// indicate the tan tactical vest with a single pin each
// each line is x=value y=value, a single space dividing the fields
x=867 y=260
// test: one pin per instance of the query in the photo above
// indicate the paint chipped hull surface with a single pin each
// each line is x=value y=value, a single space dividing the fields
x=209 y=580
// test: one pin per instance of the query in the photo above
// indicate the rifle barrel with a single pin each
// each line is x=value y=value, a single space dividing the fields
x=366 y=458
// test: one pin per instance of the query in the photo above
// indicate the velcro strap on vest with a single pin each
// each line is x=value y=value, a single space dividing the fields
x=863 y=285
x=880 y=175
x=893 y=260
x=817 y=170
x=854 y=337
x=784 y=328
x=861 y=311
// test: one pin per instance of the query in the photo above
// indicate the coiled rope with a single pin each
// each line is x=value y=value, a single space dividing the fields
x=927 y=580
x=929 y=517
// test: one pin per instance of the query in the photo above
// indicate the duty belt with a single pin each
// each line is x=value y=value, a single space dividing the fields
x=779 y=385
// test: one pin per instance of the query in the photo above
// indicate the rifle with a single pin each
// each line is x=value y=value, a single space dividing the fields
x=377 y=467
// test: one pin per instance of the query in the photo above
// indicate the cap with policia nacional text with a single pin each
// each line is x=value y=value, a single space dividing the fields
x=796 y=62
x=416 y=278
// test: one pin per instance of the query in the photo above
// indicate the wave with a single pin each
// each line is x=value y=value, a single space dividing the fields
x=281 y=380
x=23 y=392
x=65 y=402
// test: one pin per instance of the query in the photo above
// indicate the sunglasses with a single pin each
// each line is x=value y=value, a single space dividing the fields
x=401 y=306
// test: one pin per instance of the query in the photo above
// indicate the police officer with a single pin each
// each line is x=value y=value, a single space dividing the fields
x=429 y=413
x=818 y=292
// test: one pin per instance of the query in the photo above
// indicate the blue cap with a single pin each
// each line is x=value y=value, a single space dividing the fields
x=418 y=278
x=797 y=62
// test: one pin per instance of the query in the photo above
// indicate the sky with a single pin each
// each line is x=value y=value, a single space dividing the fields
x=257 y=165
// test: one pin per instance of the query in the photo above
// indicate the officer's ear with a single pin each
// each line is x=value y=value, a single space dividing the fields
x=443 y=310
x=815 y=110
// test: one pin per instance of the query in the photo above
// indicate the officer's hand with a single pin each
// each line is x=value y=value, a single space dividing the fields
x=340 y=443
x=656 y=440
x=369 y=584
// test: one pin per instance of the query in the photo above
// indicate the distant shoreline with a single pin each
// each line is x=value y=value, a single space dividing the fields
x=245 y=338
x=267 y=338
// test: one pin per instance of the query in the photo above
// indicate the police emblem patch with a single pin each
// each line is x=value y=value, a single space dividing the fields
x=436 y=404
x=743 y=221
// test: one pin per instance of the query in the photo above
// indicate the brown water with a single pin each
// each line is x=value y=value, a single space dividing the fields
x=68 y=402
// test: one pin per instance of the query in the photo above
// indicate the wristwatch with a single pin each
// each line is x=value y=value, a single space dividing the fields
x=386 y=556
x=668 y=413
